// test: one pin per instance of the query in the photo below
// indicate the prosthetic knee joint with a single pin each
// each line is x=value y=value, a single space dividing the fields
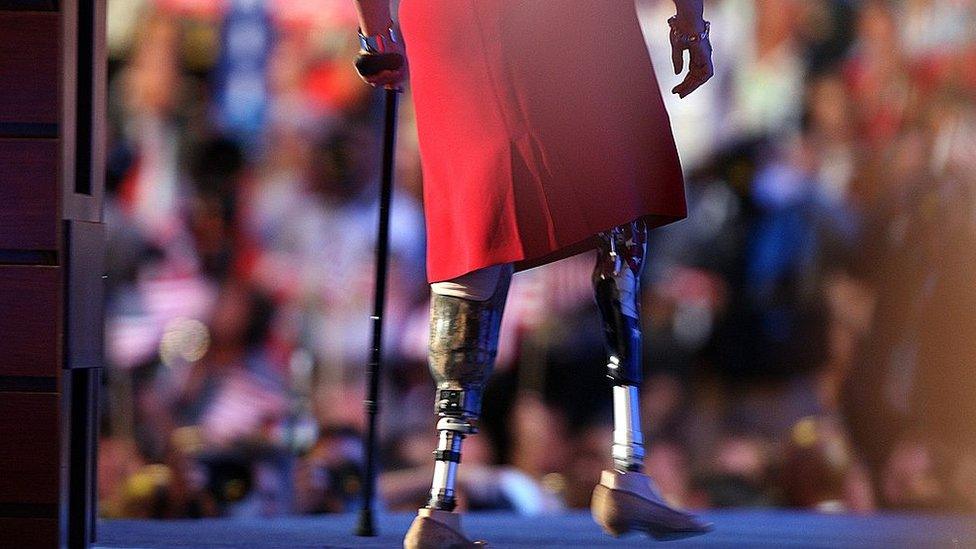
x=463 y=346
x=616 y=283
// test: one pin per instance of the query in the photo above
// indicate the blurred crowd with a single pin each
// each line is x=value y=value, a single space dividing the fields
x=810 y=329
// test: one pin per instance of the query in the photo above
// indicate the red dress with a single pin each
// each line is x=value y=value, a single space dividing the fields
x=540 y=124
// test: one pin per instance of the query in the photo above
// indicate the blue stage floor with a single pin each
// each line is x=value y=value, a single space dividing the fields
x=739 y=529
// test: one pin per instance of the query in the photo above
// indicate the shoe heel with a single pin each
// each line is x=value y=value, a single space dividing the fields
x=625 y=502
x=608 y=512
x=433 y=529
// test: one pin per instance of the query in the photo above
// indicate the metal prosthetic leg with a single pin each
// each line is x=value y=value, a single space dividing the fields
x=616 y=284
x=626 y=499
x=463 y=346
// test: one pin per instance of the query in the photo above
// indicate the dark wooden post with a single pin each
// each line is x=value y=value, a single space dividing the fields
x=52 y=90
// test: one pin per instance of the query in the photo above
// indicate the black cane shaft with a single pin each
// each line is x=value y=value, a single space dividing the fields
x=371 y=404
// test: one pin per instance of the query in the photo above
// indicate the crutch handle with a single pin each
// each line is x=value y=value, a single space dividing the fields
x=369 y=64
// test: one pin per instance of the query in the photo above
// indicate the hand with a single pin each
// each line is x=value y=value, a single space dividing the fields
x=700 y=55
x=371 y=68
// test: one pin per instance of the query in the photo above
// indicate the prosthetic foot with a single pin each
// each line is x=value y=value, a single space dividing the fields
x=435 y=529
x=463 y=346
x=626 y=499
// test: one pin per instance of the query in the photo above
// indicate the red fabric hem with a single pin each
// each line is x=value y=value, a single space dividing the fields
x=523 y=262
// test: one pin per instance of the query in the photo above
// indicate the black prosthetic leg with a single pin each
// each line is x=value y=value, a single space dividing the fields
x=626 y=499
x=616 y=285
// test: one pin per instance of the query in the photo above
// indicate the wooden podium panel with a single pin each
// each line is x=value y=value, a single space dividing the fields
x=30 y=344
x=51 y=259
x=29 y=532
x=30 y=453
x=30 y=487
x=29 y=191
x=30 y=50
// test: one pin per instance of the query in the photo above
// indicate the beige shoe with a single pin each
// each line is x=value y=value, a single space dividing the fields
x=628 y=501
x=434 y=529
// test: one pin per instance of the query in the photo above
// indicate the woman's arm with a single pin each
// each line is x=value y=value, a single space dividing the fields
x=691 y=15
x=374 y=16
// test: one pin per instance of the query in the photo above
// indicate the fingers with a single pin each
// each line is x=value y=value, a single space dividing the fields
x=693 y=80
x=385 y=79
x=677 y=57
x=700 y=70
x=691 y=83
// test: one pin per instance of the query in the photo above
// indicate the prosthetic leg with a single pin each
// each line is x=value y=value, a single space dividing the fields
x=626 y=499
x=463 y=345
